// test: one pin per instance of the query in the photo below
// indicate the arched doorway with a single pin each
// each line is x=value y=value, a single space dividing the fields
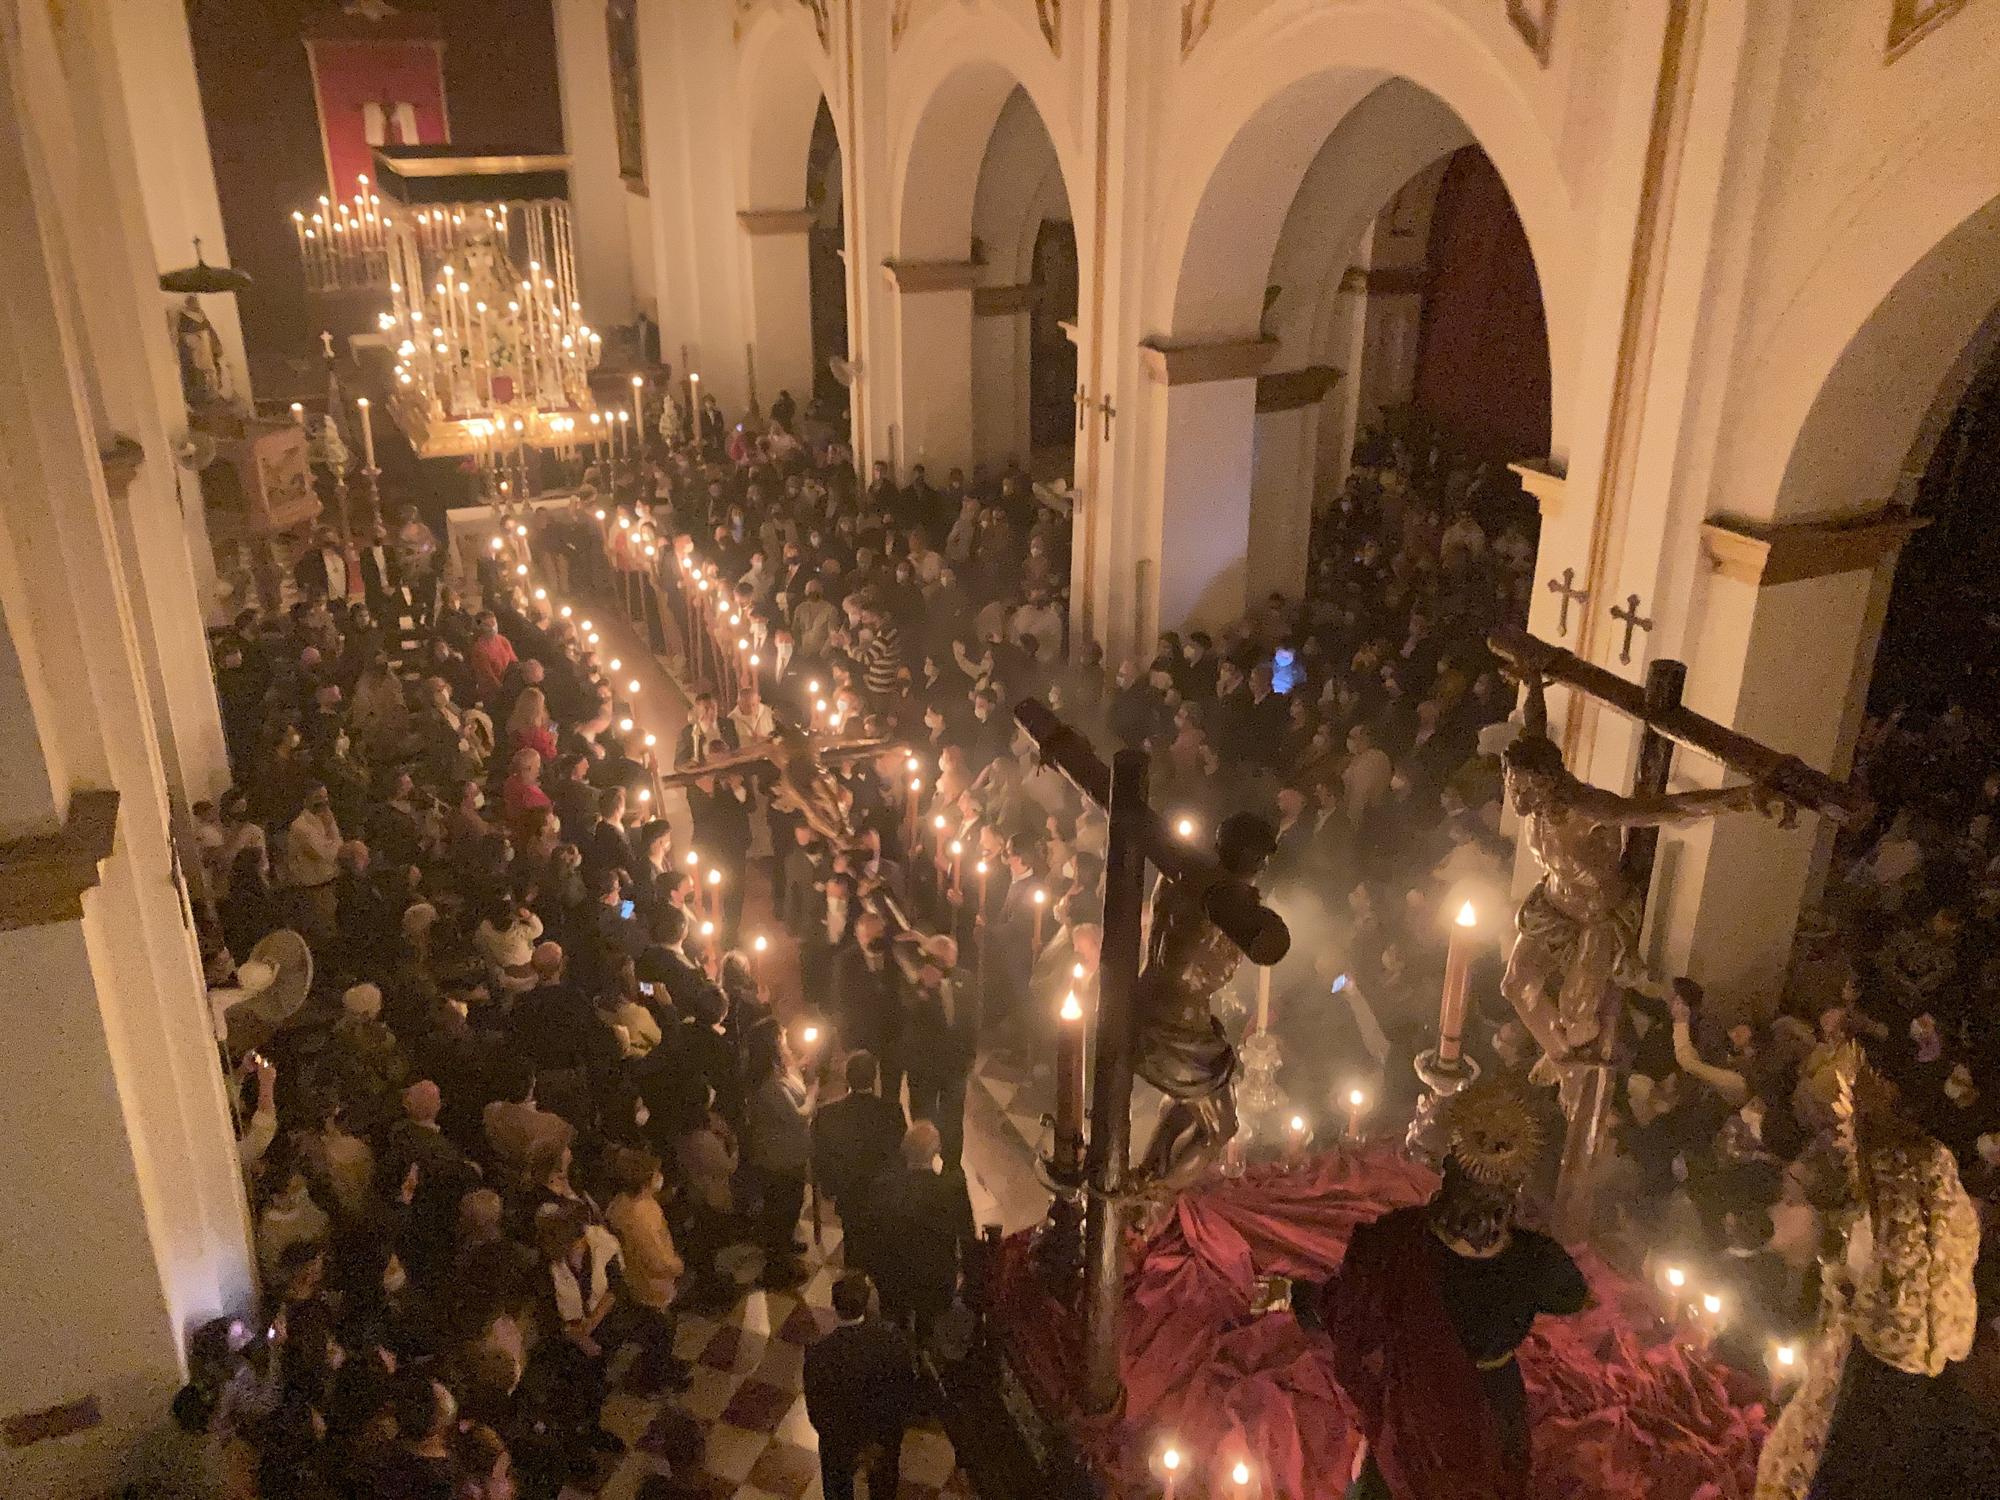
x=827 y=258
x=1024 y=309
x=793 y=214
x=1399 y=293
x=986 y=276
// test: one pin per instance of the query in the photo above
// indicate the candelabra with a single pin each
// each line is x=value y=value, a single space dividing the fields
x=492 y=357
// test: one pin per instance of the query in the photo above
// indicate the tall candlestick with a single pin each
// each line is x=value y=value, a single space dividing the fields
x=1069 y=1088
x=1457 y=983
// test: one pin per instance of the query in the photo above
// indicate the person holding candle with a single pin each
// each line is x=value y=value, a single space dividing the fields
x=1428 y=1308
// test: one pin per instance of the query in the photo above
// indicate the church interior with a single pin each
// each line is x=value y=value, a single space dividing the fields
x=1204 y=749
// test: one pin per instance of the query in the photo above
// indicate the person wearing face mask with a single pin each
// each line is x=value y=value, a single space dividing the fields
x=1428 y=1308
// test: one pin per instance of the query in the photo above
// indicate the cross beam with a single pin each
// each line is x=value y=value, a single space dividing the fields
x=1787 y=775
x=1231 y=904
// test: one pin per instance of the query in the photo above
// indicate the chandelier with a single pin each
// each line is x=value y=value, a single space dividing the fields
x=491 y=353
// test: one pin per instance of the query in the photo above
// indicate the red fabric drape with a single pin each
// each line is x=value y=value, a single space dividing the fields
x=1483 y=344
x=1616 y=1415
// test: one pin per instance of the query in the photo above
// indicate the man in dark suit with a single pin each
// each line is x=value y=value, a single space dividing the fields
x=857 y=1136
x=861 y=1388
x=867 y=1000
x=606 y=847
x=782 y=675
x=321 y=571
x=703 y=729
x=940 y=1040
x=382 y=579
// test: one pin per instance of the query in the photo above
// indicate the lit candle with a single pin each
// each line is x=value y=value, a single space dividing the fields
x=1041 y=899
x=1240 y=1476
x=1357 y=1106
x=1457 y=983
x=1170 y=1470
x=1263 y=998
x=757 y=946
x=1069 y=1086
x=299 y=413
x=1185 y=828
x=367 y=433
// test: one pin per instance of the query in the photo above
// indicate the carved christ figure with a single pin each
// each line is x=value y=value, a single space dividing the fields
x=1182 y=1050
x=1578 y=929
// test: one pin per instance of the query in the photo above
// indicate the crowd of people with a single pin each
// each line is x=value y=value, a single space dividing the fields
x=539 y=1088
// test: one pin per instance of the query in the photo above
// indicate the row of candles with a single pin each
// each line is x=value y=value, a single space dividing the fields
x=513 y=553
x=342 y=246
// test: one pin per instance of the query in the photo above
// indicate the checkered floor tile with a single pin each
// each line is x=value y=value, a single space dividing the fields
x=748 y=1378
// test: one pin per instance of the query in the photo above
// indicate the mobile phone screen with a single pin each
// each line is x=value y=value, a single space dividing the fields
x=625 y=909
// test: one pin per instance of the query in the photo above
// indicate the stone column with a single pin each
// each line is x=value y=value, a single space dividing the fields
x=1786 y=652
x=597 y=194
x=1002 y=344
x=126 y=1223
x=777 y=246
x=99 y=205
x=933 y=396
x=1291 y=407
x=156 y=75
x=1202 y=430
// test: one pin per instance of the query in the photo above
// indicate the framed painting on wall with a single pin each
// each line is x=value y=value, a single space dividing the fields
x=621 y=24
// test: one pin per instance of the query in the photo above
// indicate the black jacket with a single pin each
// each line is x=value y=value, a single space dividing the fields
x=861 y=1384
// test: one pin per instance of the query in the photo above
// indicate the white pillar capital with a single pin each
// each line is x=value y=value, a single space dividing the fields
x=918 y=276
x=1197 y=362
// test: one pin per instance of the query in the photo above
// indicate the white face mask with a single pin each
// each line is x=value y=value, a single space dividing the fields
x=479 y=799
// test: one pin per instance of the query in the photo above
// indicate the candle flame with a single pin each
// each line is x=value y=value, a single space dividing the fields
x=811 y=1034
x=1298 y=1123
x=715 y=877
x=694 y=857
x=708 y=929
x=1466 y=916
x=1787 y=1355
x=1356 y=1098
x=1241 y=1473
x=1710 y=1303
x=761 y=943
x=1676 y=1277
x=1040 y=896
x=1170 y=1460
x=1071 y=1010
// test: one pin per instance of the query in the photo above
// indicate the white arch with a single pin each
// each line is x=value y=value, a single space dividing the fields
x=963 y=68
x=1242 y=164
x=782 y=76
x=1840 y=388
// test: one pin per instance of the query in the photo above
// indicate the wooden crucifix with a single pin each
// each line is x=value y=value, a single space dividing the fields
x=1206 y=917
x=1578 y=930
x=1083 y=406
x=1109 y=412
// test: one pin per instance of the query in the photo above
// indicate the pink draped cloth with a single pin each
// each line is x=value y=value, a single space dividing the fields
x=1617 y=1414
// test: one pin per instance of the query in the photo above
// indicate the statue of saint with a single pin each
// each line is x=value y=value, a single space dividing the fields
x=1897 y=1309
x=204 y=378
x=1578 y=929
x=1182 y=1049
